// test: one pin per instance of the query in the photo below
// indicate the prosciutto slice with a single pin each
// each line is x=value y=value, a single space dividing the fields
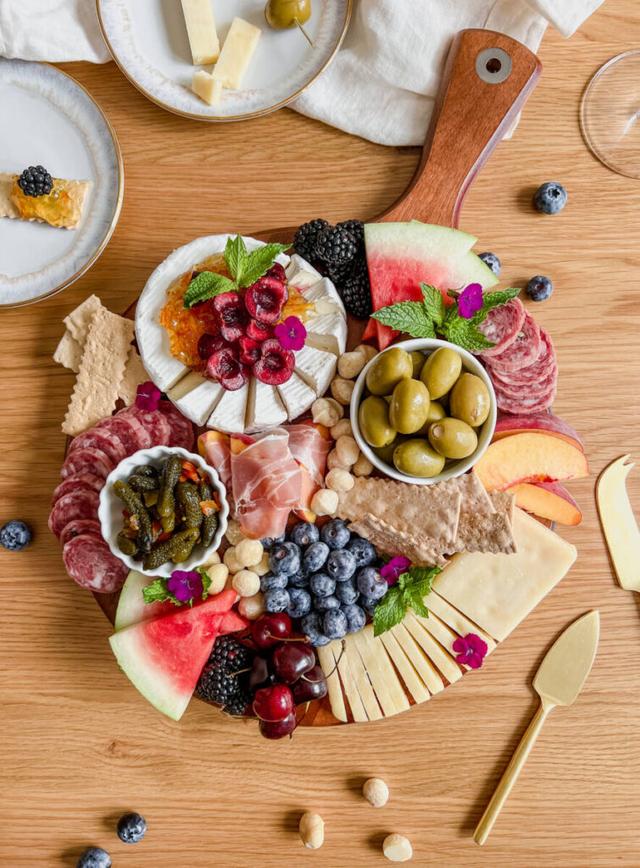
x=310 y=449
x=214 y=448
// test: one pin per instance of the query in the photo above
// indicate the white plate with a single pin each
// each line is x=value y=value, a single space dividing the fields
x=148 y=41
x=47 y=118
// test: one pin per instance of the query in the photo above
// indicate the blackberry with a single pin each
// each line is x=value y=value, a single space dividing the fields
x=305 y=238
x=335 y=246
x=220 y=681
x=35 y=181
x=356 y=228
x=355 y=291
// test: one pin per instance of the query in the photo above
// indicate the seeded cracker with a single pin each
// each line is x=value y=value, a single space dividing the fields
x=484 y=525
x=101 y=370
x=79 y=320
x=134 y=374
x=394 y=542
x=68 y=353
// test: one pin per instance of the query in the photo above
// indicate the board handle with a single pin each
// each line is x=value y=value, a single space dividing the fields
x=487 y=79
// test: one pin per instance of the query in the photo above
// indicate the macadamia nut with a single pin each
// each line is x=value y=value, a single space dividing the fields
x=367 y=350
x=251 y=607
x=339 y=479
x=249 y=552
x=233 y=532
x=218 y=573
x=350 y=364
x=362 y=467
x=231 y=560
x=326 y=411
x=341 y=427
x=246 y=583
x=263 y=567
x=311 y=828
x=341 y=390
x=333 y=461
x=397 y=848
x=324 y=502
x=347 y=450
x=376 y=792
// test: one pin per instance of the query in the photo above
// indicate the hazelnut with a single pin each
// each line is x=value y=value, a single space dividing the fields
x=326 y=411
x=350 y=364
x=311 y=828
x=376 y=792
x=341 y=390
x=324 y=502
x=339 y=480
x=249 y=552
x=246 y=583
x=347 y=450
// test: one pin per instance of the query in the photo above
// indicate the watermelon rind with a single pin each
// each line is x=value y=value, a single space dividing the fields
x=131 y=605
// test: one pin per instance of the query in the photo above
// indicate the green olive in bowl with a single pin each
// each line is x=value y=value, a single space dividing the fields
x=409 y=406
x=469 y=400
x=440 y=371
x=373 y=419
x=417 y=458
x=453 y=438
x=387 y=370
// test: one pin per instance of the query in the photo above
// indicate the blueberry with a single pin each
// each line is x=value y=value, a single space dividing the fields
x=335 y=624
x=299 y=603
x=362 y=550
x=347 y=592
x=368 y=604
x=15 y=535
x=94 y=857
x=323 y=604
x=335 y=533
x=322 y=585
x=341 y=565
x=270 y=541
x=356 y=618
x=315 y=556
x=371 y=584
x=276 y=600
x=304 y=533
x=131 y=828
x=539 y=288
x=492 y=261
x=299 y=580
x=550 y=198
x=312 y=627
x=273 y=582
x=285 y=559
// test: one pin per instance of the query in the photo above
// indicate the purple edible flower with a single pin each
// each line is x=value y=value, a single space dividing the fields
x=471 y=650
x=470 y=300
x=185 y=585
x=392 y=570
x=148 y=396
x=291 y=333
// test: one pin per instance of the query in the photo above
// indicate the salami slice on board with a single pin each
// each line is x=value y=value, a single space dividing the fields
x=101 y=438
x=87 y=460
x=78 y=504
x=525 y=405
x=181 y=428
x=155 y=422
x=80 y=525
x=501 y=326
x=524 y=350
x=539 y=388
x=129 y=430
x=90 y=563
x=533 y=373
x=78 y=481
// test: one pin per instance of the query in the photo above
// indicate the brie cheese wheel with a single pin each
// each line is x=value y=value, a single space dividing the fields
x=230 y=412
x=327 y=332
x=264 y=408
x=296 y=396
x=196 y=397
x=301 y=274
x=316 y=367
x=201 y=30
x=325 y=296
x=237 y=51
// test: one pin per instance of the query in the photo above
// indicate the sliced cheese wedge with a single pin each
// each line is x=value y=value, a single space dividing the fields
x=324 y=295
x=362 y=681
x=498 y=591
x=196 y=397
x=316 y=367
x=201 y=30
x=388 y=689
x=440 y=632
x=348 y=679
x=207 y=87
x=401 y=662
x=458 y=622
x=434 y=651
x=327 y=332
x=336 y=697
x=296 y=396
x=237 y=52
x=264 y=407
x=230 y=412
x=425 y=669
x=301 y=274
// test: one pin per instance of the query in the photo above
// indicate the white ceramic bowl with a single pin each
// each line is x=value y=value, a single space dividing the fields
x=110 y=509
x=453 y=468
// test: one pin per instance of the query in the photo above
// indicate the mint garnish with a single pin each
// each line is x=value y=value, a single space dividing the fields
x=409 y=593
x=207 y=285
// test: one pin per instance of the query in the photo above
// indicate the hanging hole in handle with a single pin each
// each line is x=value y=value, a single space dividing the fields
x=493 y=65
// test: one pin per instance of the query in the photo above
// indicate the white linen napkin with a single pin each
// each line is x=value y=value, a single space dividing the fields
x=380 y=86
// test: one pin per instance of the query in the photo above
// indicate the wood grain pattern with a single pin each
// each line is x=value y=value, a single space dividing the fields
x=80 y=746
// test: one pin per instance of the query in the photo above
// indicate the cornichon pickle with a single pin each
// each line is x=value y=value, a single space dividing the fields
x=210 y=522
x=150 y=497
x=145 y=470
x=170 y=475
x=190 y=503
x=176 y=549
x=142 y=483
x=126 y=545
x=136 y=507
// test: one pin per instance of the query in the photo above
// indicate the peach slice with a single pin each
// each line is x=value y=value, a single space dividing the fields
x=545 y=422
x=211 y=438
x=547 y=500
x=307 y=489
x=530 y=457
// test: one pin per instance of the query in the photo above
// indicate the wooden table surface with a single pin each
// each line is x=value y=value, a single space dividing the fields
x=81 y=746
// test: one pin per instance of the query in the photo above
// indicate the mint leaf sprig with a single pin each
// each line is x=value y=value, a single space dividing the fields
x=408 y=593
x=244 y=267
x=157 y=591
x=431 y=318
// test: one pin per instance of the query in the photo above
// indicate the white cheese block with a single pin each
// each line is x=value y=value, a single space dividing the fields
x=296 y=396
x=301 y=274
x=347 y=678
x=388 y=687
x=421 y=664
x=237 y=51
x=316 y=367
x=230 y=412
x=207 y=87
x=201 y=30
x=440 y=659
x=362 y=681
x=498 y=591
x=458 y=622
x=264 y=407
x=327 y=332
x=401 y=662
x=336 y=697
x=440 y=632
x=196 y=397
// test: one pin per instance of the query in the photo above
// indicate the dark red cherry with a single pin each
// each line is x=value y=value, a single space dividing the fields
x=267 y=630
x=279 y=728
x=291 y=660
x=273 y=703
x=312 y=685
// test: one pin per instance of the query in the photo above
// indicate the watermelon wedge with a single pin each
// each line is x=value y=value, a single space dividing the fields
x=401 y=256
x=163 y=657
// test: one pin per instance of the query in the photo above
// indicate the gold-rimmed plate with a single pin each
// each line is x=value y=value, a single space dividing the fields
x=149 y=43
x=48 y=119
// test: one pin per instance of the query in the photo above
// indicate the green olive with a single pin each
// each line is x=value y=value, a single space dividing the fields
x=453 y=438
x=281 y=14
x=440 y=371
x=469 y=400
x=373 y=418
x=385 y=453
x=387 y=370
x=436 y=411
x=418 y=361
x=409 y=406
x=417 y=458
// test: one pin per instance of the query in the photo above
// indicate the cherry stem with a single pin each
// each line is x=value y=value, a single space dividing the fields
x=343 y=648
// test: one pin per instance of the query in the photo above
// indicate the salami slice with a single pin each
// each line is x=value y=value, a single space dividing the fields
x=87 y=460
x=132 y=433
x=533 y=373
x=89 y=562
x=78 y=504
x=80 y=525
x=181 y=428
x=87 y=481
x=524 y=350
x=101 y=438
x=539 y=388
x=528 y=405
x=155 y=422
x=501 y=326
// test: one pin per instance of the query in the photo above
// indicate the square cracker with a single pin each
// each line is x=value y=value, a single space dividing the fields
x=485 y=521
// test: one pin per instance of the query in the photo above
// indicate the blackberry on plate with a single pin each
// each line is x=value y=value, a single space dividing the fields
x=35 y=181
x=304 y=240
x=131 y=828
x=356 y=228
x=355 y=291
x=223 y=679
x=335 y=246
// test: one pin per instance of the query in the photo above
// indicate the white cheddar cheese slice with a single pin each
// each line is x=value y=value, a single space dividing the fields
x=434 y=651
x=498 y=591
x=230 y=411
x=296 y=396
x=362 y=681
x=237 y=51
x=336 y=697
x=264 y=407
x=421 y=664
x=201 y=30
x=358 y=711
x=440 y=632
x=389 y=692
x=316 y=367
x=401 y=662
x=207 y=87
x=327 y=332
x=301 y=274
x=198 y=402
x=458 y=622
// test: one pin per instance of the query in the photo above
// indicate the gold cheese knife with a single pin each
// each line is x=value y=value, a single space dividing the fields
x=558 y=681
x=619 y=523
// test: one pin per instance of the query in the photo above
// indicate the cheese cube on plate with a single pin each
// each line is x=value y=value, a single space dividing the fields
x=207 y=87
x=201 y=30
x=237 y=51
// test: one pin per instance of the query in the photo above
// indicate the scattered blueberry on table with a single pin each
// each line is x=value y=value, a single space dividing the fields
x=550 y=198
x=539 y=288
x=131 y=828
x=94 y=857
x=15 y=535
x=492 y=261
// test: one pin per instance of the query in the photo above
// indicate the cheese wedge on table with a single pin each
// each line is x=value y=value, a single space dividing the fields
x=316 y=367
x=387 y=688
x=327 y=332
x=207 y=87
x=201 y=30
x=296 y=396
x=237 y=52
x=264 y=407
x=230 y=411
x=458 y=622
x=425 y=669
x=433 y=650
x=347 y=678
